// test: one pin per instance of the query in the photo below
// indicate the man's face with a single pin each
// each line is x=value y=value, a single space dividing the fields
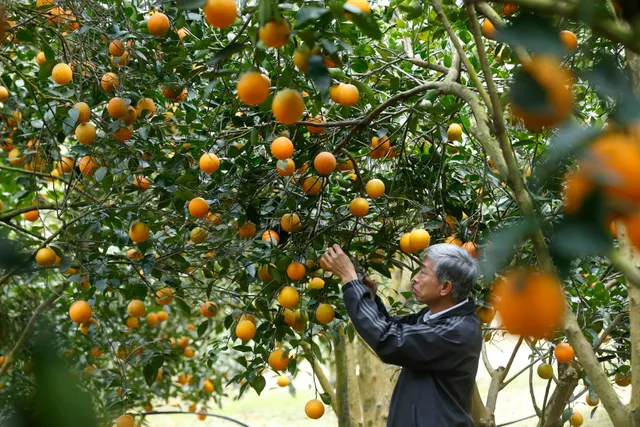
x=425 y=286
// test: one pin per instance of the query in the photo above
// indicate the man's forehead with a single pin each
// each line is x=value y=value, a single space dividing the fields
x=427 y=264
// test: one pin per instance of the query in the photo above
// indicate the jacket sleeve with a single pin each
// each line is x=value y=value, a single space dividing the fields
x=409 y=319
x=418 y=346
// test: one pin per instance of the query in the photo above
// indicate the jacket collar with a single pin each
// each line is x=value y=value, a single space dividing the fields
x=463 y=308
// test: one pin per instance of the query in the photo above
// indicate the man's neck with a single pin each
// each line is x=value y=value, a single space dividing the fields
x=438 y=306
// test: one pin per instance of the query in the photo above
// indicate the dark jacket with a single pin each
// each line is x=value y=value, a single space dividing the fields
x=439 y=358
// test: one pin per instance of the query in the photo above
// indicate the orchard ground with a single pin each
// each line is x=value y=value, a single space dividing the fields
x=276 y=405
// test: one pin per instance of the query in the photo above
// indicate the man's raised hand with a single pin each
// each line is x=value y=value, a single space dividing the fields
x=340 y=264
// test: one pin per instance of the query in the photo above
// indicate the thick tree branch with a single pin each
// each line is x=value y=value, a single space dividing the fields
x=568 y=376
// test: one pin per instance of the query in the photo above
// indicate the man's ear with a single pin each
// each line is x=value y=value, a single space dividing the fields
x=447 y=288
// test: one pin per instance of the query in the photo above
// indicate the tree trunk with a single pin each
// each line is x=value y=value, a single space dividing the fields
x=347 y=392
x=568 y=376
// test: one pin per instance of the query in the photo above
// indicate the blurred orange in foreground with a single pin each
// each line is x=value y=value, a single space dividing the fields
x=530 y=303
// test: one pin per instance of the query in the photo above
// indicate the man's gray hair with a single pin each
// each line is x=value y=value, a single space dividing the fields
x=454 y=264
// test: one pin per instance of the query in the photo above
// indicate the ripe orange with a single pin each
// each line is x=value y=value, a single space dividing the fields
x=88 y=165
x=275 y=34
x=313 y=129
x=31 y=216
x=15 y=158
x=363 y=5
x=316 y=283
x=188 y=352
x=263 y=273
x=139 y=232
x=198 y=235
x=454 y=132
x=325 y=313
x=283 y=381
x=287 y=107
x=109 y=82
x=209 y=163
x=530 y=303
x=419 y=239
x=142 y=183
x=245 y=330
x=130 y=116
x=125 y=421
x=576 y=419
x=324 y=163
x=116 y=48
x=209 y=309
x=405 y=243
x=545 y=371
x=486 y=314
x=380 y=146
x=312 y=185
x=334 y=92
x=282 y=148
x=198 y=207
x=61 y=74
x=253 y=88
x=288 y=170
x=145 y=108
x=346 y=165
x=215 y=219
x=314 y=409
x=117 y=108
x=220 y=13
x=164 y=296
x=623 y=379
x=348 y=95
x=132 y=323
x=296 y=271
x=41 y=58
x=123 y=134
x=170 y=92
x=271 y=236
x=46 y=256
x=509 y=9
x=207 y=386
x=290 y=222
x=80 y=312
x=359 y=207
x=158 y=24
x=136 y=308
x=152 y=319
x=278 y=360
x=471 y=248
x=85 y=133
x=83 y=112
x=375 y=188
x=452 y=240
x=202 y=414
x=288 y=297
x=590 y=402
x=162 y=316
x=564 y=353
x=488 y=29
x=248 y=229
x=569 y=40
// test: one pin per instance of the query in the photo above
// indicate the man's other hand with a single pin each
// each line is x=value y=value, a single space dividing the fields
x=371 y=285
x=340 y=264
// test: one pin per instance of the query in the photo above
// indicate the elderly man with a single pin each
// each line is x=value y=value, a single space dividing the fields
x=438 y=347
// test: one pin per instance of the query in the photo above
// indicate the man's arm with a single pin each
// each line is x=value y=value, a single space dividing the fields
x=416 y=346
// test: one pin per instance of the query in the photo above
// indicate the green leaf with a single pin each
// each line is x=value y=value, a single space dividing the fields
x=150 y=370
x=413 y=10
x=45 y=69
x=258 y=384
x=533 y=32
x=100 y=173
x=310 y=13
x=319 y=73
x=24 y=35
x=380 y=268
x=227 y=52
x=326 y=399
x=365 y=22
x=202 y=328
x=502 y=246
x=190 y=4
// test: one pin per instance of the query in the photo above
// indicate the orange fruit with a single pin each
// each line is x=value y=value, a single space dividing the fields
x=207 y=386
x=471 y=248
x=622 y=379
x=80 y=311
x=375 y=188
x=88 y=165
x=283 y=381
x=314 y=409
x=325 y=313
x=198 y=235
x=208 y=309
x=248 y=229
x=316 y=283
x=46 y=256
x=289 y=317
x=282 y=148
x=288 y=297
x=85 y=133
x=486 y=314
x=41 y=58
x=278 y=360
x=380 y=146
x=288 y=170
x=198 y=207
x=419 y=239
x=359 y=207
x=271 y=236
x=545 y=371
x=348 y=95
x=139 y=232
x=4 y=93
x=253 y=88
x=334 y=92
x=61 y=74
x=296 y=271
x=169 y=92
x=576 y=419
x=564 y=353
x=263 y=273
x=209 y=163
x=590 y=402
x=245 y=330
x=220 y=13
x=531 y=303
x=31 y=216
x=509 y=9
x=569 y=40
x=313 y=129
x=123 y=134
x=109 y=82
x=162 y=316
x=125 y=421
x=142 y=183
x=312 y=185
x=83 y=112
x=116 y=48
x=136 y=308
x=454 y=132
x=290 y=222
x=158 y=24
x=145 y=108
x=275 y=34
x=117 y=108
x=66 y=164
x=130 y=116
x=405 y=243
x=133 y=323
x=452 y=240
x=188 y=352
x=15 y=158
x=152 y=319
x=346 y=165
x=287 y=107
x=488 y=29
x=202 y=414
x=324 y=163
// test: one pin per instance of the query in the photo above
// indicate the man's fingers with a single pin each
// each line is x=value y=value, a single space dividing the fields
x=337 y=249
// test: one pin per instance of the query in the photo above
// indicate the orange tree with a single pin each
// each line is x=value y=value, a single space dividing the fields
x=173 y=172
